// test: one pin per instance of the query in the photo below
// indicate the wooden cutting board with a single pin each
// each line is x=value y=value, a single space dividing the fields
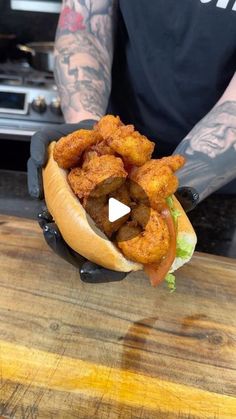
x=117 y=350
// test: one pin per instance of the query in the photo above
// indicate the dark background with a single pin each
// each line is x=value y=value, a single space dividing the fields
x=28 y=26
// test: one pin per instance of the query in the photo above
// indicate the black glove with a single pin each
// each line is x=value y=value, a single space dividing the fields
x=89 y=271
x=38 y=152
x=188 y=197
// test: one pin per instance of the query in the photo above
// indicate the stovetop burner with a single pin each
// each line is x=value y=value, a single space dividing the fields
x=18 y=73
x=29 y=100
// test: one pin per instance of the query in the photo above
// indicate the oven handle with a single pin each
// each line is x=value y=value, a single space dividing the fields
x=17 y=131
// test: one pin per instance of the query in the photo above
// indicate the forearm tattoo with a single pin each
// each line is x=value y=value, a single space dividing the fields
x=210 y=151
x=83 y=57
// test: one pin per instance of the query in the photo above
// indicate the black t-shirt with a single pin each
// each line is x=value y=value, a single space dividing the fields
x=173 y=60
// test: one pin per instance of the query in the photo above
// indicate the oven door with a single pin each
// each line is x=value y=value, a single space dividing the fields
x=20 y=129
x=47 y=6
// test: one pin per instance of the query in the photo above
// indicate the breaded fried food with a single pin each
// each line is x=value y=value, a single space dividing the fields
x=94 y=205
x=99 y=149
x=134 y=148
x=79 y=182
x=140 y=215
x=101 y=176
x=173 y=162
x=68 y=150
x=122 y=194
x=97 y=208
x=100 y=213
x=110 y=228
x=102 y=149
x=158 y=186
x=150 y=245
x=157 y=179
x=127 y=232
x=107 y=125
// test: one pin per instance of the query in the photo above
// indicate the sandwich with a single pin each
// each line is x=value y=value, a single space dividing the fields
x=87 y=168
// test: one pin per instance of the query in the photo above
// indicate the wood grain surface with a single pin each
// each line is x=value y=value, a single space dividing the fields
x=117 y=350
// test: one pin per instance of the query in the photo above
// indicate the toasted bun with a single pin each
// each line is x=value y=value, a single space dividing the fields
x=72 y=220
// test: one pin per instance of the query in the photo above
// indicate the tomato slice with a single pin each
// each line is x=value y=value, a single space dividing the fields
x=157 y=272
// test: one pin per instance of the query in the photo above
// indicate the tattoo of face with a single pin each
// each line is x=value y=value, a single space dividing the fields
x=82 y=73
x=216 y=133
x=210 y=151
x=84 y=50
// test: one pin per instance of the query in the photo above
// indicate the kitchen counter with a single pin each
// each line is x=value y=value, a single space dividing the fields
x=214 y=219
x=118 y=350
x=14 y=197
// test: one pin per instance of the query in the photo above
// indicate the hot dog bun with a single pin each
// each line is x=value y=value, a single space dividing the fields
x=72 y=220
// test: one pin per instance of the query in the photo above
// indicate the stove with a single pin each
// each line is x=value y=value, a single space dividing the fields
x=29 y=100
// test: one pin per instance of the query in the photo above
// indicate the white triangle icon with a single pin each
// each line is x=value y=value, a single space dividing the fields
x=116 y=209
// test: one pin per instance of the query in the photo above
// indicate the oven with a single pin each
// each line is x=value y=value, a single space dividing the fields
x=29 y=101
x=46 y=6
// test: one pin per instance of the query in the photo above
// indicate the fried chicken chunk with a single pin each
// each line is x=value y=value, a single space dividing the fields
x=145 y=246
x=68 y=150
x=122 y=194
x=97 y=208
x=107 y=125
x=140 y=215
x=157 y=179
x=101 y=176
x=135 y=148
x=99 y=149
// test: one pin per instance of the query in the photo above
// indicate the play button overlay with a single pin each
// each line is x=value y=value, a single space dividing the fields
x=114 y=204
x=116 y=209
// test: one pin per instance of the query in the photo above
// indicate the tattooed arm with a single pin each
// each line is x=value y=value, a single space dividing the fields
x=83 y=54
x=210 y=148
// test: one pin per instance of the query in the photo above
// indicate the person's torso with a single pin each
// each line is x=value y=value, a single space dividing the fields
x=173 y=60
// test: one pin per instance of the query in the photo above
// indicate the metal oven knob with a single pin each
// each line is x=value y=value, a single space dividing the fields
x=39 y=104
x=56 y=106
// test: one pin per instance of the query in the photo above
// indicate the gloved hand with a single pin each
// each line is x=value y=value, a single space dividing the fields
x=89 y=271
x=38 y=152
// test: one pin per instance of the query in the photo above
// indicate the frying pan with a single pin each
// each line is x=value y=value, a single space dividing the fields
x=40 y=55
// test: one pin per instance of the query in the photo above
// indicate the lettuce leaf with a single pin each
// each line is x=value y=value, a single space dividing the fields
x=184 y=249
x=170 y=279
x=174 y=212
